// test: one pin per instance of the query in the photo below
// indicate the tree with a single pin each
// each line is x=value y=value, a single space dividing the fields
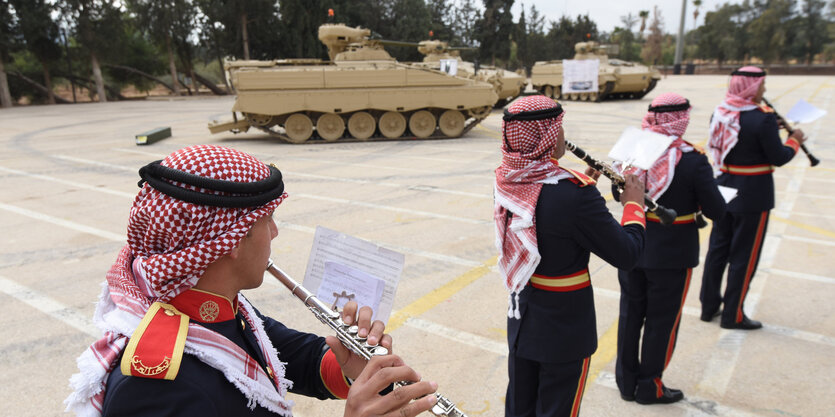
x=652 y=50
x=465 y=20
x=8 y=43
x=494 y=30
x=696 y=5
x=158 y=18
x=644 y=15
x=722 y=36
x=769 y=36
x=40 y=34
x=441 y=16
x=98 y=27
x=812 y=32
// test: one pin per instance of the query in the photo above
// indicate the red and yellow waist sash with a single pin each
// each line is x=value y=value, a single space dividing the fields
x=563 y=283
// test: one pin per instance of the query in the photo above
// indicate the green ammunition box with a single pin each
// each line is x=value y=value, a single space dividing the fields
x=151 y=136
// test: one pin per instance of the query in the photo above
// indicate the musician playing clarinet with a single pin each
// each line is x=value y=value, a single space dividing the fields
x=745 y=146
x=180 y=339
x=548 y=220
x=653 y=293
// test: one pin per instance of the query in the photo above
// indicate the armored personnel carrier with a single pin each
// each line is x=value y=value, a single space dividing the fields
x=362 y=93
x=508 y=84
x=616 y=79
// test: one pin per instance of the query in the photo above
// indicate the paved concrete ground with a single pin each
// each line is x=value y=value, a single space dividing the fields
x=68 y=174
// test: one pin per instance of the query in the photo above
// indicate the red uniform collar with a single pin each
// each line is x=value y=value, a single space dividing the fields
x=205 y=307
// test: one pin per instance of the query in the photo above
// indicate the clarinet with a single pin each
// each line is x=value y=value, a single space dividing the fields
x=666 y=215
x=349 y=337
x=812 y=160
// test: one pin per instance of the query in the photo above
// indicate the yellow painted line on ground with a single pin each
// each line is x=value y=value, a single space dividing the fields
x=607 y=349
x=818 y=90
x=439 y=295
x=491 y=132
x=808 y=227
x=790 y=90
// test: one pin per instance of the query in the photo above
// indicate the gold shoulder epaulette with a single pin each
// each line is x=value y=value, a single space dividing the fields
x=766 y=109
x=155 y=349
x=697 y=148
x=580 y=178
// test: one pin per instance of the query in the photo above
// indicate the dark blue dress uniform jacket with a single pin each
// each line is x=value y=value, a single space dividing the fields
x=693 y=188
x=202 y=391
x=571 y=222
x=759 y=143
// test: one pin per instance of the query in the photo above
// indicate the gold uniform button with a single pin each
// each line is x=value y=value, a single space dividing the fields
x=270 y=372
x=243 y=324
x=169 y=312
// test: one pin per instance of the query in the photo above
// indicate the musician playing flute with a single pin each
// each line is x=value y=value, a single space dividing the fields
x=653 y=293
x=180 y=339
x=745 y=146
x=548 y=220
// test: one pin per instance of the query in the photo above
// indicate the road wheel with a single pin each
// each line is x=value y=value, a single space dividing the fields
x=361 y=125
x=392 y=124
x=298 y=127
x=259 y=120
x=422 y=124
x=452 y=123
x=330 y=126
x=548 y=91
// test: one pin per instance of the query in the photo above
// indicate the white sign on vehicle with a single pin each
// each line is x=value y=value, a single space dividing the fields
x=580 y=75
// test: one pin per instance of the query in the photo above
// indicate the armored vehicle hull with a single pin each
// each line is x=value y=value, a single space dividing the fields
x=616 y=79
x=353 y=98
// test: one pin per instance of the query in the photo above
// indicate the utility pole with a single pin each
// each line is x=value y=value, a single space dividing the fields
x=680 y=40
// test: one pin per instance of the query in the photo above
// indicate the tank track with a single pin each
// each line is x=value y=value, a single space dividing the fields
x=276 y=132
x=607 y=93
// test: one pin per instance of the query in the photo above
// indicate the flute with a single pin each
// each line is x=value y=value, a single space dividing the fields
x=349 y=337
x=812 y=160
x=666 y=215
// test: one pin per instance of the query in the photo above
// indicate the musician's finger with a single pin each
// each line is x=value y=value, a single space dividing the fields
x=382 y=371
x=349 y=312
x=400 y=401
x=377 y=329
x=387 y=342
x=364 y=321
x=339 y=350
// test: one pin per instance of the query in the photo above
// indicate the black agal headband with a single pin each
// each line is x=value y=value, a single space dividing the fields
x=245 y=194
x=748 y=73
x=666 y=108
x=525 y=116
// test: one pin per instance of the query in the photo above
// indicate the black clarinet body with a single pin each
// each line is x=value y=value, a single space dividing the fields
x=812 y=160
x=666 y=215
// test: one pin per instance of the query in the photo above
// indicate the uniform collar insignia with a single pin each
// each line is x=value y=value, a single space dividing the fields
x=205 y=307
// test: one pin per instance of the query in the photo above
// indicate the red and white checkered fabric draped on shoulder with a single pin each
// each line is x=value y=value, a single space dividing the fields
x=660 y=175
x=724 y=124
x=526 y=165
x=170 y=244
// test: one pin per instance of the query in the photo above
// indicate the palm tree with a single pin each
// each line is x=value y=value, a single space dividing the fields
x=644 y=15
x=697 y=4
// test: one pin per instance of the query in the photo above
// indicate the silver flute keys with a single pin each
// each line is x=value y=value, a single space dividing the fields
x=349 y=337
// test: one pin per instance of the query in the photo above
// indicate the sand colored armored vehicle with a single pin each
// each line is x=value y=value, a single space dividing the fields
x=508 y=84
x=361 y=93
x=616 y=79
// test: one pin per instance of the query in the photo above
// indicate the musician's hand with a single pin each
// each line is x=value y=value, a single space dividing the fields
x=798 y=136
x=350 y=363
x=633 y=190
x=593 y=173
x=364 y=399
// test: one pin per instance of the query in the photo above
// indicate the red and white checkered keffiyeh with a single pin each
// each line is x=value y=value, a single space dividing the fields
x=660 y=175
x=526 y=165
x=170 y=244
x=724 y=125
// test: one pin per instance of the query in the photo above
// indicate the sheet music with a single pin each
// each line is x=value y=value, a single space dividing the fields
x=640 y=148
x=728 y=193
x=803 y=112
x=357 y=254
